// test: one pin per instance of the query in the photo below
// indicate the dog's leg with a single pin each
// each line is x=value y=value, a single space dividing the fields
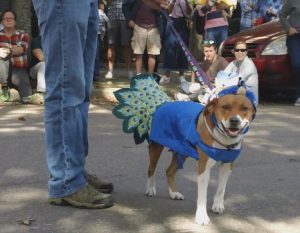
x=171 y=172
x=154 y=154
x=224 y=172
x=205 y=165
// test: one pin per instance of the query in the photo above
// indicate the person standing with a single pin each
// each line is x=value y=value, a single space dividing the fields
x=69 y=39
x=117 y=28
x=248 y=14
x=145 y=21
x=290 y=19
x=175 y=59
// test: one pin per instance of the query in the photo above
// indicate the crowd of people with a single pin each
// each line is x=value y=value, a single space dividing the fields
x=147 y=34
x=142 y=31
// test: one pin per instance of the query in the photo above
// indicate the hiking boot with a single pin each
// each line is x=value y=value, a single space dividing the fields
x=5 y=96
x=87 y=197
x=98 y=184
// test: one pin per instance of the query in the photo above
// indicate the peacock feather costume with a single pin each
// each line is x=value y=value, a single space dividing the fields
x=138 y=103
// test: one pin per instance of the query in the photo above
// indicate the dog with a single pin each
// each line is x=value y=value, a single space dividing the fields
x=219 y=126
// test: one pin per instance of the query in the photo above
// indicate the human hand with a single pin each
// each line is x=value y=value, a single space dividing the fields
x=292 y=31
x=131 y=23
x=4 y=52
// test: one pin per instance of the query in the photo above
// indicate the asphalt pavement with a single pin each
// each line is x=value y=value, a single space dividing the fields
x=262 y=195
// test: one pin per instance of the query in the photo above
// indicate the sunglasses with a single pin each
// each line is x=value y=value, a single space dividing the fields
x=208 y=42
x=240 y=50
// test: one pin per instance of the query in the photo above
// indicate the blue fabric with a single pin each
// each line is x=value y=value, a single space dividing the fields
x=293 y=45
x=69 y=39
x=174 y=125
x=217 y=34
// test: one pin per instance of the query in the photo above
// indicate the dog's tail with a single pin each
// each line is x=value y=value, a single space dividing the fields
x=138 y=103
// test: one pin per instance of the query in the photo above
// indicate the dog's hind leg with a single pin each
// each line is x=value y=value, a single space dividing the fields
x=154 y=154
x=224 y=172
x=171 y=172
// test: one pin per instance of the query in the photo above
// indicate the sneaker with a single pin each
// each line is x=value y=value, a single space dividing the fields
x=297 y=102
x=182 y=97
x=130 y=74
x=164 y=80
x=38 y=98
x=87 y=197
x=98 y=184
x=5 y=96
x=109 y=74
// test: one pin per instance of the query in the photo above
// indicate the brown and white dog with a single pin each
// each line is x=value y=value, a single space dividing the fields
x=232 y=113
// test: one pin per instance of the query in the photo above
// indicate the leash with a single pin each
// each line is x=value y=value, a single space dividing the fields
x=200 y=74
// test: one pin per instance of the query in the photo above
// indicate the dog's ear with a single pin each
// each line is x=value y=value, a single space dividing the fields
x=210 y=106
x=241 y=91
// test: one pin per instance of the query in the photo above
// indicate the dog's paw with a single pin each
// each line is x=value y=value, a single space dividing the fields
x=175 y=195
x=218 y=208
x=202 y=217
x=150 y=187
x=151 y=191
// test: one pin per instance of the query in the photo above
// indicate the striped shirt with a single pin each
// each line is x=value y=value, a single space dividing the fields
x=17 y=39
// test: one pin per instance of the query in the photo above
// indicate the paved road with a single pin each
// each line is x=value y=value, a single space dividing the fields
x=262 y=196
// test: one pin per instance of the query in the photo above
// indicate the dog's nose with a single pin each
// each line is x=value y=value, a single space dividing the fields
x=234 y=121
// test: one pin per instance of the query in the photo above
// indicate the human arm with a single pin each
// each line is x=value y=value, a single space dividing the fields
x=283 y=17
x=4 y=53
x=21 y=46
x=38 y=53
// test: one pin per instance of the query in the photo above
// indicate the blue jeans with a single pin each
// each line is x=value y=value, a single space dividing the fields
x=293 y=45
x=69 y=40
x=217 y=34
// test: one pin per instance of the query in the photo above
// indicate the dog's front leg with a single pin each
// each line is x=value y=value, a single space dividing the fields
x=224 y=172
x=203 y=180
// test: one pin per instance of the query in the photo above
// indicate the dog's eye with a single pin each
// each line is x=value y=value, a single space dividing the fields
x=226 y=107
x=244 y=108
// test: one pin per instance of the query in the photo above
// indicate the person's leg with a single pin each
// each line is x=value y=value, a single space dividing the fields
x=293 y=45
x=37 y=72
x=112 y=31
x=20 y=78
x=126 y=34
x=69 y=42
x=139 y=63
x=151 y=63
x=4 y=73
x=138 y=45
x=97 y=60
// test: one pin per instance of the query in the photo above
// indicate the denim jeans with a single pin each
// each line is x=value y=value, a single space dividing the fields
x=293 y=45
x=217 y=34
x=69 y=40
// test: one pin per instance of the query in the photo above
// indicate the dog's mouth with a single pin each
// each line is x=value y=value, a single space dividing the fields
x=232 y=131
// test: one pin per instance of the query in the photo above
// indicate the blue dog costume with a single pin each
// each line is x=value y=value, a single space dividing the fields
x=174 y=125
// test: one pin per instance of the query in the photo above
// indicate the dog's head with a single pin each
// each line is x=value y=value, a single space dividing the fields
x=233 y=111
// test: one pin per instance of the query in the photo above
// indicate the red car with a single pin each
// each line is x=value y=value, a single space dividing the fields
x=267 y=48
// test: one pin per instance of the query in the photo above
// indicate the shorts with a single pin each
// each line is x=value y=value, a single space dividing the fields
x=143 y=38
x=118 y=30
